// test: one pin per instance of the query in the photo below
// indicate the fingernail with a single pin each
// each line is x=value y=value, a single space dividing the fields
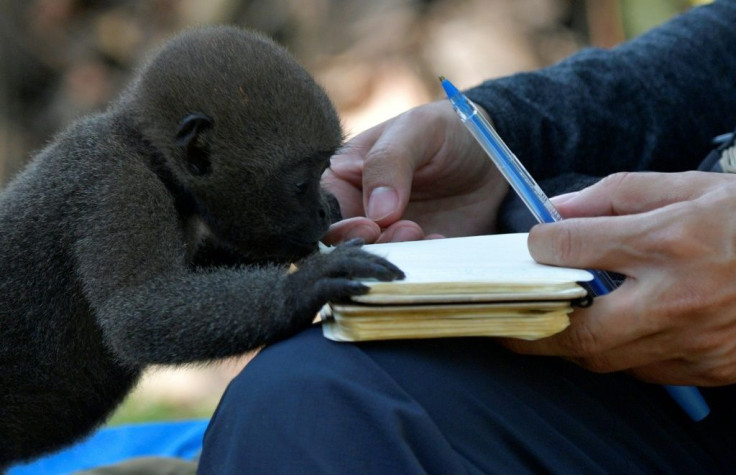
x=403 y=234
x=382 y=202
x=560 y=199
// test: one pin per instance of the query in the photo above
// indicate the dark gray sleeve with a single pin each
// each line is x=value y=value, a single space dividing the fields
x=653 y=103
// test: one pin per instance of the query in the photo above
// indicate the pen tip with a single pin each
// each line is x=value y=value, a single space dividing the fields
x=441 y=78
x=449 y=88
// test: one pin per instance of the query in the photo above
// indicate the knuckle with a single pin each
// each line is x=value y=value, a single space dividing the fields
x=681 y=238
x=383 y=158
x=711 y=358
x=703 y=345
x=550 y=244
x=563 y=245
x=616 y=180
x=426 y=116
x=616 y=186
x=682 y=306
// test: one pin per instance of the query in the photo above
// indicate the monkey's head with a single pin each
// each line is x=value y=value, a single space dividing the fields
x=247 y=132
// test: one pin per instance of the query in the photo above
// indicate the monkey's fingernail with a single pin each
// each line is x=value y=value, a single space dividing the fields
x=355 y=242
x=383 y=271
x=382 y=202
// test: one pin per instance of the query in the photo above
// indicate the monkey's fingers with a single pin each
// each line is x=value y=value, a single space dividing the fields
x=362 y=265
x=335 y=290
x=382 y=270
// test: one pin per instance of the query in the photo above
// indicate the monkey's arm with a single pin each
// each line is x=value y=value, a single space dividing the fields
x=153 y=308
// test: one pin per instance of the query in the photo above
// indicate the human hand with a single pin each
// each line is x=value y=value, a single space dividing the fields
x=420 y=174
x=673 y=236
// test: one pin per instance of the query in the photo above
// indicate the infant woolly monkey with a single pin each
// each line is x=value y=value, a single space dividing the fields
x=158 y=232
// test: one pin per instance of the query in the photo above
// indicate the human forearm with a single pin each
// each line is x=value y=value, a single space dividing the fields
x=653 y=103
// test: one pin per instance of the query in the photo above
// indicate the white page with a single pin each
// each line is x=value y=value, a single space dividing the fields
x=497 y=258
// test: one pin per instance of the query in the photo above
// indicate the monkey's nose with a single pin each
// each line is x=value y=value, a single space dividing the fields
x=331 y=209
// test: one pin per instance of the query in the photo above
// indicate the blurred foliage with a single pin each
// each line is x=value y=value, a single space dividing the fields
x=135 y=410
x=639 y=16
x=61 y=59
x=185 y=392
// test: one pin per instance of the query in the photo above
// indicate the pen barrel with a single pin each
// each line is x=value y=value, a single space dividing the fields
x=511 y=168
x=690 y=400
x=602 y=283
x=523 y=184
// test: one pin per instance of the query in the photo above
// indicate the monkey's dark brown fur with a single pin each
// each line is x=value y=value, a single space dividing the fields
x=157 y=232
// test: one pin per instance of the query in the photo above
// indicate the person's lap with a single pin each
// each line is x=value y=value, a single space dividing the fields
x=310 y=405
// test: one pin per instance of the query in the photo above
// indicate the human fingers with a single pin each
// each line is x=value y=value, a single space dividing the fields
x=372 y=174
x=407 y=143
x=634 y=311
x=344 y=177
x=718 y=370
x=630 y=193
x=370 y=232
x=651 y=358
x=674 y=312
x=700 y=353
x=612 y=321
x=630 y=330
x=357 y=227
x=349 y=196
x=607 y=243
x=617 y=228
x=691 y=356
x=689 y=222
x=403 y=230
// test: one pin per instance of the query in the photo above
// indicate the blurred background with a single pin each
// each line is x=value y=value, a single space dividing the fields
x=61 y=59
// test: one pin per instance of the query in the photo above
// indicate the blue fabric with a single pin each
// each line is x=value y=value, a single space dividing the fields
x=116 y=444
x=309 y=405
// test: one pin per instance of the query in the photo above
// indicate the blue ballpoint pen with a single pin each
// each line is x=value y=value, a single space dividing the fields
x=688 y=397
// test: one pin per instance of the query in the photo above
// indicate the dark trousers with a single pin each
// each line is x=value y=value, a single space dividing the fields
x=452 y=406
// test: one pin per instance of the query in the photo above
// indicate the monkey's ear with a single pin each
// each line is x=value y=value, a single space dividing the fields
x=195 y=148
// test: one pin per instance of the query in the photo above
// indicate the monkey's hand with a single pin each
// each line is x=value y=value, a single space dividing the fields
x=324 y=277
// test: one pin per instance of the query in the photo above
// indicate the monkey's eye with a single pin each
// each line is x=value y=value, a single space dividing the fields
x=302 y=187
